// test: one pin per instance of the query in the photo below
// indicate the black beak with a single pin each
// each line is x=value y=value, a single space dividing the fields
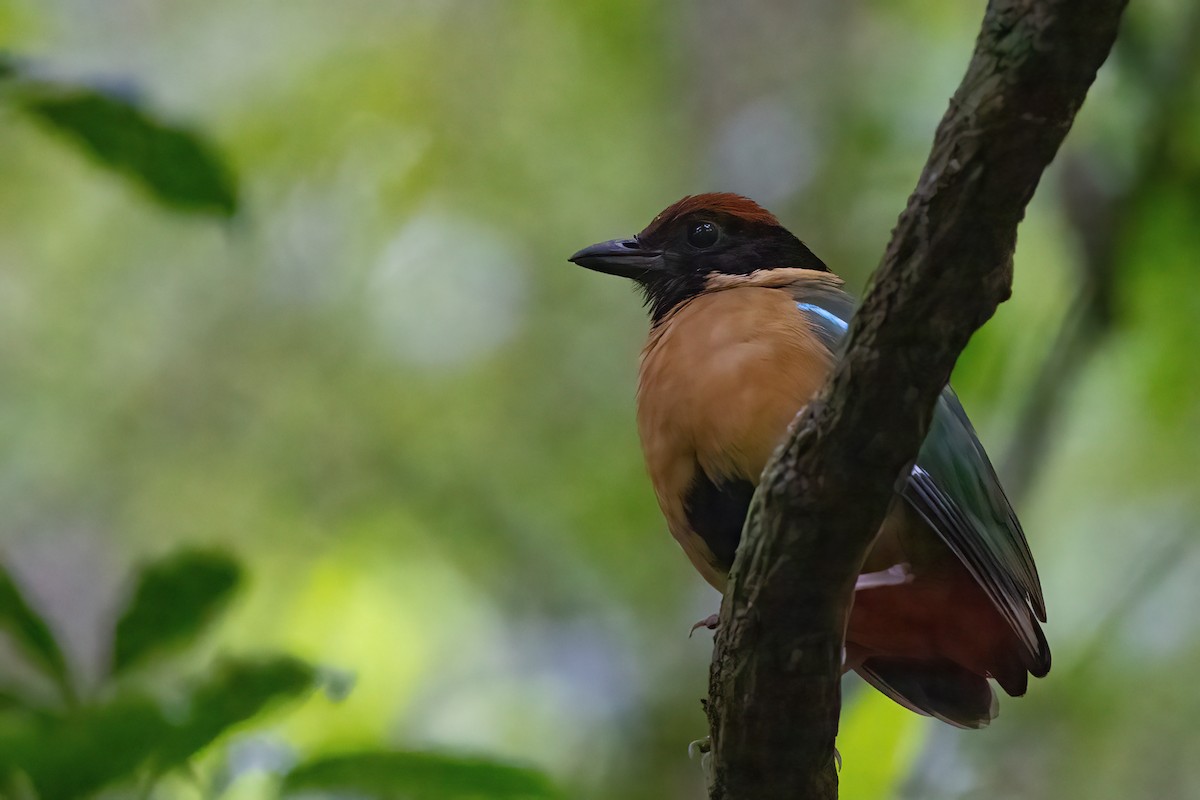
x=624 y=257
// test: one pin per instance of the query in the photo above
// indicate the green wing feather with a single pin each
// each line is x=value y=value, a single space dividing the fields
x=954 y=487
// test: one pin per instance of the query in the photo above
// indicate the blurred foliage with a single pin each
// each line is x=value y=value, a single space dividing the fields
x=419 y=776
x=176 y=166
x=126 y=734
x=884 y=738
x=174 y=600
x=412 y=421
x=70 y=747
x=30 y=633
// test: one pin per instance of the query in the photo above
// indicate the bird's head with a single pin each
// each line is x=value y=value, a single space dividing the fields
x=694 y=240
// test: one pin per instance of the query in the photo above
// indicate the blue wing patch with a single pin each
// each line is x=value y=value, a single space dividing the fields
x=828 y=316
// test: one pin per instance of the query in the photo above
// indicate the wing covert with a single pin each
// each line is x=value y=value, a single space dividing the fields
x=954 y=488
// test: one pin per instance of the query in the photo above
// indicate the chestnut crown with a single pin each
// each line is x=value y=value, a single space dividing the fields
x=700 y=236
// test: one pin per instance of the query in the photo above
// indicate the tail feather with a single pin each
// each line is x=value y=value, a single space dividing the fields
x=939 y=689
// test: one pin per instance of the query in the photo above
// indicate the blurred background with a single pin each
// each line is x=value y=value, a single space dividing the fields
x=284 y=302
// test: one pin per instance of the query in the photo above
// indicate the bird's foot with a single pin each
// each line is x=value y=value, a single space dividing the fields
x=711 y=622
x=701 y=749
x=895 y=575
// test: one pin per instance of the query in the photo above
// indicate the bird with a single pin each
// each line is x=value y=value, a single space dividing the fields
x=746 y=323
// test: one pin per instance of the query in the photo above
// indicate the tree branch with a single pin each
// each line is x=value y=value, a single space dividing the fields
x=774 y=688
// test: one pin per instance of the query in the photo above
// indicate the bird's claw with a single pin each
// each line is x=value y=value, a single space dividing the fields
x=711 y=622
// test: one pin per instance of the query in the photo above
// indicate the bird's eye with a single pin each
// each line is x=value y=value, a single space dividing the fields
x=703 y=234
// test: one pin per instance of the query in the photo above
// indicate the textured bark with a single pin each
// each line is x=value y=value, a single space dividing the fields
x=774 y=687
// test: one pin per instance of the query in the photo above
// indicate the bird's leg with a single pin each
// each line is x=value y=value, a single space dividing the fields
x=702 y=749
x=710 y=622
x=895 y=575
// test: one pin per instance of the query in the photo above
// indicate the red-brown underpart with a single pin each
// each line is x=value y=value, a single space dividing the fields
x=941 y=617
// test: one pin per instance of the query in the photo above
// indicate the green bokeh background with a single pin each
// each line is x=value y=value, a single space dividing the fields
x=380 y=385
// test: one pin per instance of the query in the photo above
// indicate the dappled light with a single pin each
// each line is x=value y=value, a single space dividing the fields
x=319 y=467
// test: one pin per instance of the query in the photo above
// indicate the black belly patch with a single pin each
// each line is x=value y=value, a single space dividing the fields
x=717 y=513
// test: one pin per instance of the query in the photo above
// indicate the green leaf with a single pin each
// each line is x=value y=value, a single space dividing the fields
x=419 y=776
x=176 y=165
x=30 y=632
x=72 y=756
x=237 y=690
x=175 y=599
x=11 y=701
x=19 y=701
x=78 y=754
